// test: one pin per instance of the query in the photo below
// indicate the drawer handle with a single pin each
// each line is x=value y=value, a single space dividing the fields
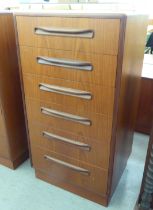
x=66 y=116
x=84 y=33
x=66 y=140
x=68 y=165
x=82 y=65
x=65 y=91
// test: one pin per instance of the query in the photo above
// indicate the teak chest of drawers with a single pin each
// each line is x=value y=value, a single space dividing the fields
x=81 y=82
x=13 y=139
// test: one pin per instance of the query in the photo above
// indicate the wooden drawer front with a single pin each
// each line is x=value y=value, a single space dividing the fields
x=69 y=144
x=104 y=33
x=80 y=96
x=100 y=128
x=4 y=147
x=103 y=66
x=70 y=171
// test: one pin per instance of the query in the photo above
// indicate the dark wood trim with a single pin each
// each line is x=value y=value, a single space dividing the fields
x=116 y=104
x=126 y=97
x=22 y=88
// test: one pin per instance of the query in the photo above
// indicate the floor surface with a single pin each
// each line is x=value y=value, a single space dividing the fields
x=20 y=190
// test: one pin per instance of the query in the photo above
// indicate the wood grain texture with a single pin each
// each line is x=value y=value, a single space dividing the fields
x=106 y=34
x=10 y=92
x=112 y=133
x=15 y=163
x=101 y=199
x=100 y=128
x=4 y=147
x=102 y=98
x=127 y=96
x=98 y=155
x=103 y=73
x=66 y=174
x=2 y=123
x=145 y=108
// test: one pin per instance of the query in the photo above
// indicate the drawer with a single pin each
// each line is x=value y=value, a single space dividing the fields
x=71 y=171
x=75 y=34
x=88 y=124
x=94 y=68
x=64 y=142
x=80 y=96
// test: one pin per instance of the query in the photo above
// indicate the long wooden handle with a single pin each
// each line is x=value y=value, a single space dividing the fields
x=68 y=165
x=66 y=63
x=65 y=91
x=66 y=116
x=52 y=31
x=81 y=145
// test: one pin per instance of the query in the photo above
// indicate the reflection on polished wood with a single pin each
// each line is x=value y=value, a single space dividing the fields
x=13 y=139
